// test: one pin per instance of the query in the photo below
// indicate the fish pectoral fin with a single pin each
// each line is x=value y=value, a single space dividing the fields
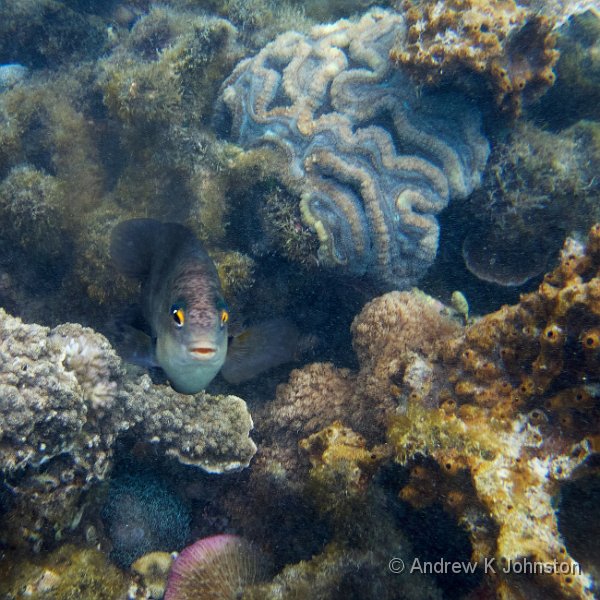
x=136 y=347
x=260 y=348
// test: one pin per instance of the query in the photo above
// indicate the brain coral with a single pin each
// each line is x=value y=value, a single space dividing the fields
x=373 y=159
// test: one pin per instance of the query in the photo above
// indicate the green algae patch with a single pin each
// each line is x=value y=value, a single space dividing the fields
x=68 y=573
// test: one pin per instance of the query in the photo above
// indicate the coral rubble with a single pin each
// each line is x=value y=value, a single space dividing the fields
x=511 y=47
x=373 y=160
x=64 y=399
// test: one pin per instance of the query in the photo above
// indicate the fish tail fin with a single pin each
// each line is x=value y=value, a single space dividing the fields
x=132 y=246
x=260 y=348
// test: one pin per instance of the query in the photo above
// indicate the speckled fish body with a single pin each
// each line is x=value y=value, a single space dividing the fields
x=182 y=299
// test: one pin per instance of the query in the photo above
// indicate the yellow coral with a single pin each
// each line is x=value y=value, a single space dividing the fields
x=482 y=416
x=514 y=423
x=497 y=38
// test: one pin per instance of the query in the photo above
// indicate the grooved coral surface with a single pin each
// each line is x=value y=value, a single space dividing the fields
x=373 y=159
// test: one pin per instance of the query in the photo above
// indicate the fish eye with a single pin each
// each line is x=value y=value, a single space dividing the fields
x=224 y=317
x=178 y=315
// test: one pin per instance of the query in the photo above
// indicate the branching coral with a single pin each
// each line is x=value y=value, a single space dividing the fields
x=500 y=39
x=64 y=399
x=375 y=161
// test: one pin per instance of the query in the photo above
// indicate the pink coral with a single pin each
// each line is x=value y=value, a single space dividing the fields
x=217 y=567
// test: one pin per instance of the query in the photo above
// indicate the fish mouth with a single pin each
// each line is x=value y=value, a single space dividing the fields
x=203 y=352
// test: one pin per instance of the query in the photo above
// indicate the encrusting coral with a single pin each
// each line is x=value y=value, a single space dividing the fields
x=339 y=483
x=490 y=419
x=515 y=414
x=373 y=161
x=506 y=426
x=509 y=45
x=153 y=568
x=65 y=398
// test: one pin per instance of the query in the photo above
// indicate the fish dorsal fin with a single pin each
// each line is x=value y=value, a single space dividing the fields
x=260 y=348
x=134 y=242
x=132 y=246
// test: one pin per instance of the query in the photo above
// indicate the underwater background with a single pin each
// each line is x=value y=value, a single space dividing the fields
x=412 y=188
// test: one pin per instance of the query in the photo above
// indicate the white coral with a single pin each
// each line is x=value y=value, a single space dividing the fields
x=87 y=362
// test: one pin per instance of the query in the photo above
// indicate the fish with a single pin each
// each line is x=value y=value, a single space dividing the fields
x=185 y=313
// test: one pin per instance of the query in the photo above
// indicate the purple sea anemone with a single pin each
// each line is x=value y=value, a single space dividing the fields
x=215 y=568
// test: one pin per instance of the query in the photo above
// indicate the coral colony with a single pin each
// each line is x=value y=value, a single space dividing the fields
x=429 y=444
x=376 y=161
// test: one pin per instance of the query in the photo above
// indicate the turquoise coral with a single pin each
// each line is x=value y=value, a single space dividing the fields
x=374 y=159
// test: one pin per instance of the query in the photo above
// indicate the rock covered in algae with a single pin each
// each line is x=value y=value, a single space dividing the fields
x=576 y=94
x=539 y=187
x=68 y=573
x=49 y=33
x=363 y=536
x=64 y=400
x=333 y=105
